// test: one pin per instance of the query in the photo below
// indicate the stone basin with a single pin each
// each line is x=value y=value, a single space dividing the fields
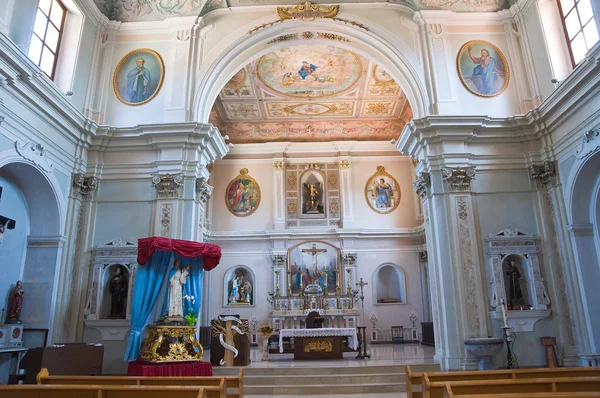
x=485 y=349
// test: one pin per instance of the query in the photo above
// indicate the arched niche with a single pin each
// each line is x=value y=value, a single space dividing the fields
x=238 y=287
x=312 y=181
x=42 y=241
x=516 y=281
x=107 y=295
x=389 y=283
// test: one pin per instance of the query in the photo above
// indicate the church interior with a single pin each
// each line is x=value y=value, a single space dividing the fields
x=237 y=189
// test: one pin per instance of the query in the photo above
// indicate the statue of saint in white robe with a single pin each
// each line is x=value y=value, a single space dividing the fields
x=176 y=283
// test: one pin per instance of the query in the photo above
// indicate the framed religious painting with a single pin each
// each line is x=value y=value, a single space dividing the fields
x=138 y=77
x=242 y=196
x=482 y=68
x=382 y=192
x=314 y=263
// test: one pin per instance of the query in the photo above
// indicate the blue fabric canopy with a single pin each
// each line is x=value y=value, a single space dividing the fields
x=148 y=283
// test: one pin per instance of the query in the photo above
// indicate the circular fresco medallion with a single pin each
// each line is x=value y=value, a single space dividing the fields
x=138 y=77
x=242 y=195
x=309 y=71
x=482 y=68
x=382 y=192
x=238 y=78
x=381 y=76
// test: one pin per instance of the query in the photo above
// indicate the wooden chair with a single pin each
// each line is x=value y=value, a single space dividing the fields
x=99 y=391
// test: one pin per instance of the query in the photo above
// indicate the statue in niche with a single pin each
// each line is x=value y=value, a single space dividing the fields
x=246 y=292
x=515 y=295
x=117 y=287
x=235 y=289
x=16 y=303
x=312 y=205
x=177 y=278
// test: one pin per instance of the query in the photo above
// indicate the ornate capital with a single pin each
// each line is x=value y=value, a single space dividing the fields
x=459 y=178
x=168 y=185
x=422 y=184
x=203 y=190
x=312 y=166
x=210 y=167
x=279 y=165
x=35 y=153
x=349 y=259
x=345 y=164
x=84 y=186
x=543 y=174
x=279 y=260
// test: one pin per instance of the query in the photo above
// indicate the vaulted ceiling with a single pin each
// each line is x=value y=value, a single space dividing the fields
x=311 y=93
x=155 y=10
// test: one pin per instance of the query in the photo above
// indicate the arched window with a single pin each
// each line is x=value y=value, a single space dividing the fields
x=579 y=26
x=390 y=284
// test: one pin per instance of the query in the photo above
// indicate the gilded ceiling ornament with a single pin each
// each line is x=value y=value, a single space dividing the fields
x=382 y=192
x=308 y=12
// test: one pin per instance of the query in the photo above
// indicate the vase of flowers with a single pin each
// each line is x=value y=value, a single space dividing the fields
x=266 y=331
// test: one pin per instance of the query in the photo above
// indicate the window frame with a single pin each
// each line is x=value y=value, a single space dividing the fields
x=581 y=27
x=60 y=29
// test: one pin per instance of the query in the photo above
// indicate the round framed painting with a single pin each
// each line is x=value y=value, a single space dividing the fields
x=382 y=192
x=482 y=68
x=138 y=77
x=242 y=195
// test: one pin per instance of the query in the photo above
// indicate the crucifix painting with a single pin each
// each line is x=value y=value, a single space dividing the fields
x=313 y=263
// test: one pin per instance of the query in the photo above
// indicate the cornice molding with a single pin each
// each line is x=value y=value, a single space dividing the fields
x=90 y=10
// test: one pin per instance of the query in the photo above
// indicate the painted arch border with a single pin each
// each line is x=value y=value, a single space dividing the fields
x=378 y=44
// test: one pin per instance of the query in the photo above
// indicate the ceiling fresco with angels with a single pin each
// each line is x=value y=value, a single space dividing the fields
x=156 y=10
x=311 y=93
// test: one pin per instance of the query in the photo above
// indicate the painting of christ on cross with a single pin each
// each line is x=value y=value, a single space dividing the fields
x=313 y=263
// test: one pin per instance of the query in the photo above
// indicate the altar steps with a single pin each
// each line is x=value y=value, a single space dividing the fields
x=320 y=379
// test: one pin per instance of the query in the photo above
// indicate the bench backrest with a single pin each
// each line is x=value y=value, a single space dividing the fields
x=99 y=391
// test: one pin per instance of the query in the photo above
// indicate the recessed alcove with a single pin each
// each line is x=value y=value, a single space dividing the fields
x=516 y=281
x=107 y=295
x=390 y=285
x=242 y=278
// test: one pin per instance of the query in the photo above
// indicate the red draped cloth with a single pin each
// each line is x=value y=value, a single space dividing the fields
x=197 y=368
x=211 y=254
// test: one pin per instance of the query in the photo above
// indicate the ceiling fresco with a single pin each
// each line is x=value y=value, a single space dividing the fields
x=156 y=10
x=309 y=71
x=311 y=93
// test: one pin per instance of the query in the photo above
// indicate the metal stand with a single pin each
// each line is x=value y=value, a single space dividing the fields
x=509 y=338
x=362 y=343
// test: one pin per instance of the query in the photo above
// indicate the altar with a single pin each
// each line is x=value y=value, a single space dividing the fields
x=319 y=343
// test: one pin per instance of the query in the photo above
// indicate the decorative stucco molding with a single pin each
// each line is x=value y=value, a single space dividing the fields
x=459 y=178
x=590 y=143
x=543 y=174
x=84 y=186
x=35 y=153
x=168 y=185
x=279 y=165
x=165 y=220
x=203 y=190
x=422 y=184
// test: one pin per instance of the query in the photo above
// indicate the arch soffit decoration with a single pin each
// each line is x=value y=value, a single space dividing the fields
x=398 y=269
x=380 y=45
x=11 y=156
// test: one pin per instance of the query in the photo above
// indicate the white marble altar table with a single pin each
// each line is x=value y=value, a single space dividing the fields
x=319 y=332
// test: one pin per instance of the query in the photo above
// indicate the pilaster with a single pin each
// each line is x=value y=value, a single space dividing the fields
x=168 y=205
x=346 y=191
x=279 y=186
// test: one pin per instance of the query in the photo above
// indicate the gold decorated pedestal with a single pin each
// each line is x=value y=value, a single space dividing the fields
x=171 y=344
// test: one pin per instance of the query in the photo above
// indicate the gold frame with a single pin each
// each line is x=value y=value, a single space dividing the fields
x=339 y=267
x=502 y=58
x=358 y=76
x=381 y=172
x=243 y=174
x=381 y=82
x=118 y=68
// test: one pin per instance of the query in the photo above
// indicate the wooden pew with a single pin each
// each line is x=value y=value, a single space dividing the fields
x=416 y=379
x=449 y=394
x=487 y=387
x=99 y=391
x=215 y=387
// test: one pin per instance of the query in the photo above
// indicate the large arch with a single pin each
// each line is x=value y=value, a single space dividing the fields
x=583 y=193
x=45 y=237
x=377 y=44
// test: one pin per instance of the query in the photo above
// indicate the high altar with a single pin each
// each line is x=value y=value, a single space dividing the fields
x=313 y=278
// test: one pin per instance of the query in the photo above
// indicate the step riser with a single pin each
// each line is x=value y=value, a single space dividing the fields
x=323 y=380
x=347 y=370
x=321 y=390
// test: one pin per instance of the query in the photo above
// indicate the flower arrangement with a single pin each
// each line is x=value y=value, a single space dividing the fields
x=190 y=318
x=266 y=329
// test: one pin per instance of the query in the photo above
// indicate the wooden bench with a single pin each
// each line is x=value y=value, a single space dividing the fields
x=416 y=379
x=530 y=395
x=487 y=387
x=215 y=387
x=99 y=391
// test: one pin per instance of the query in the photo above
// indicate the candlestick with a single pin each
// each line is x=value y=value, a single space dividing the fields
x=504 y=313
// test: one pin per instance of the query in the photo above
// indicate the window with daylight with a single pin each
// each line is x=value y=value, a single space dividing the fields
x=47 y=32
x=580 y=27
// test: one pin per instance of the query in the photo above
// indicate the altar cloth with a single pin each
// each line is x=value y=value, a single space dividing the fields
x=320 y=332
x=197 y=368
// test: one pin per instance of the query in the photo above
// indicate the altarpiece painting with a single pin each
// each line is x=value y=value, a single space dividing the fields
x=314 y=263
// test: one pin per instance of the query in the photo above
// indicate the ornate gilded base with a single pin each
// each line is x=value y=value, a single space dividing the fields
x=171 y=344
